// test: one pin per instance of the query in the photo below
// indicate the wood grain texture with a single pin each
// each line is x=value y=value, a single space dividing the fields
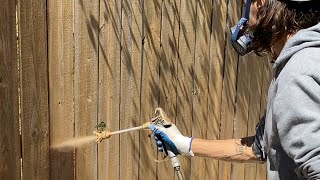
x=109 y=87
x=185 y=75
x=34 y=89
x=60 y=45
x=240 y=128
x=255 y=68
x=129 y=57
x=168 y=71
x=266 y=71
x=229 y=87
x=151 y=16
x=241 y=112
x=9 y=108
x=86 y=29
x=131 y=46
x=201 y=81
x=217 y=53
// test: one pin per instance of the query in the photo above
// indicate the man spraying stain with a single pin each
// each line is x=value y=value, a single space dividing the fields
x=288 y=136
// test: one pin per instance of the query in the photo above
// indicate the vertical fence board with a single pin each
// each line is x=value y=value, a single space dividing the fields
x=229 y=88
x=200 y=81
x=9 y=112
x=109 y=87
x=168 y=71
x=86 y=28
x=241 y=112
x=130 y=87
x=217 y=45
x=60 y=45
x=34 y=89
x=254 y=66
x=240 y=127
x=266 y=79
x=151 y=12
x=185 y=75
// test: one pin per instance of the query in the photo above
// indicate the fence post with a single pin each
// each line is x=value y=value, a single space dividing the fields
x=34 y=89
x=9 y=111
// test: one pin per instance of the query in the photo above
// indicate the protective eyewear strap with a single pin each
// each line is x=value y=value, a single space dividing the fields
x=248 y=5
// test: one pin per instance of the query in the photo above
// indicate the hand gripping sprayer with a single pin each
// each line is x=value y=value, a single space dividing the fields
x=161 y=119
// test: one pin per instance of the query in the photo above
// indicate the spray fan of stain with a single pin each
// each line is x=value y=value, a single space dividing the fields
x=74 y=142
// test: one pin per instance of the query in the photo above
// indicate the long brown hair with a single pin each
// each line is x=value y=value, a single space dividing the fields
x=276 y=19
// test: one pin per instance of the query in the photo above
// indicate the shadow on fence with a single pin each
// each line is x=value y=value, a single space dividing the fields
x=83 y=62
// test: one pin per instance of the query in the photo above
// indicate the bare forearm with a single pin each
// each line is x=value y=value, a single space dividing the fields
x=233 y=150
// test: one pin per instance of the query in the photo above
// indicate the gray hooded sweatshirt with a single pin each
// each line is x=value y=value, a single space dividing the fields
x=289 y=135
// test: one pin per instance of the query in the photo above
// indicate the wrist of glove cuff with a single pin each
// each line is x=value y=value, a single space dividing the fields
x=183 y=144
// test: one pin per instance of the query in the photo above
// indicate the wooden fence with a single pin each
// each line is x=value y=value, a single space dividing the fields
x=79 y=62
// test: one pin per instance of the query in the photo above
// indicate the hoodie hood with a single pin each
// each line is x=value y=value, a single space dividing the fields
x=303 y=39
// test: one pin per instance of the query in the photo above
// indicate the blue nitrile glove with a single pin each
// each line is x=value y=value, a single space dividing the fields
x=172 y=137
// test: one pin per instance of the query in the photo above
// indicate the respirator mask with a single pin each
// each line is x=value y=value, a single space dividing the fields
x=240 y=39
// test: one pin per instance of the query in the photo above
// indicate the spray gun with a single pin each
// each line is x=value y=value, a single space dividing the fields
x=161 y=119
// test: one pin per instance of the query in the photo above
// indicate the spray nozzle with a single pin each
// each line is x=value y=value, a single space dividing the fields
x=101 y=127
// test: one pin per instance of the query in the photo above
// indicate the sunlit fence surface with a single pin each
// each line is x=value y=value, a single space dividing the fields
x=75 y=63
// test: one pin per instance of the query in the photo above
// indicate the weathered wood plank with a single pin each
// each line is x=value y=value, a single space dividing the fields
x=185 y=75
x=151 y=12
x=9 y=103
x=267 y=77
x=241 y=111
x=130 y=87
x=109 y=87
x=201 y=81
x=217 y=44
x=254 y=66
x=34 y=89
x=242 y=108
x=168 y=71
x=60 y=45
x=229 y=87
x=86 y=29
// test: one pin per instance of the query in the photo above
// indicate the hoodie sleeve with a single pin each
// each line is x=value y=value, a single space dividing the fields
x=296 y=112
